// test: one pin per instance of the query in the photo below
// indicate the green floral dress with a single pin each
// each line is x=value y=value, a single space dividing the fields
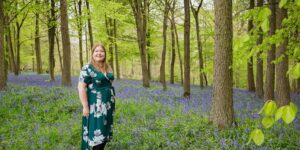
x=97 y=127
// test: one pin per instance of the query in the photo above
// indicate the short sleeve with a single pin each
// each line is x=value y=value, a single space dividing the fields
x=85 y=75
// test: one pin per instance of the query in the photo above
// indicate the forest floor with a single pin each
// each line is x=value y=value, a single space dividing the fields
x=38 y=114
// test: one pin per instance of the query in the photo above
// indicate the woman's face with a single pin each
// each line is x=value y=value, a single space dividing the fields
x=99 y=54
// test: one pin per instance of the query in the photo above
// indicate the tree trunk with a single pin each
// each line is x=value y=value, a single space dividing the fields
x=51 y=37
x=66 y=74
x=173 y=49
x=78 y=14
x=37 y=44
x=148 y=40
x=259 y=91
x=11 y=51
x=2 y=52
x=282 y=79
x=109 y=31
x=199 y=44
x=19 y=26
x=139 y=9
x=178 y=49
x=298 y=85
x=163 y=55
x=222 y=113
x=59 y=53
x=89 y=23
x=251 y=85
x=186 y=80
x=116 y=50
x=270 y=73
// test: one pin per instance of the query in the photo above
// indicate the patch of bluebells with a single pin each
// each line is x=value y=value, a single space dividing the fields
x=246 y=106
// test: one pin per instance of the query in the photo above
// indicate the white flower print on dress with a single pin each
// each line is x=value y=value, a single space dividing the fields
x=93 y=74
x=98 y=138
x=85 y=134
x=92 y=108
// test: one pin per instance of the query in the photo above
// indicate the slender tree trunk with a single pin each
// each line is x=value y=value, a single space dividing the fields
x=86 y=44
x=186 y=81
x=298 y=85
x=37 y=44
x=178 y=49
x=270 y=74
x=66 y=74
x=116 y=50
x=89 y=23
x=251 y=85
x=173 y=49
x=148 y=40
x=109 y=31
x=11 y=51
x=59 y=53
x=19 y=26
x=163 y=55
x=282 y=79
x=199 y=43
x=2 y=52
x=222 y=113
x=78 y=14
x=259 y=91
x=51 y=37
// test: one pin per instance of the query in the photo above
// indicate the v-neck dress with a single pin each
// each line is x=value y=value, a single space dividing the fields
x=97 y=127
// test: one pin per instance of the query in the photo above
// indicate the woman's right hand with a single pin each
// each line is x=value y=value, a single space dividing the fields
x=86 y=111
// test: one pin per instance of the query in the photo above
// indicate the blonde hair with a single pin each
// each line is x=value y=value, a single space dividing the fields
x=107 y=68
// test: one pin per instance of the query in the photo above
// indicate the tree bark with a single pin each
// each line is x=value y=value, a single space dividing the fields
x=173 y=55
x=58 y=50
x=222 y=112
x=66 y=74
x=199 y=43
x=178 y=49
x=259 y=91
x=2 y=52
x=89 y=24
x=282 y=79
x=37 y=43
x=139 y=8
x=270 y=73
x=116 y=50
x=78 y=14
x=251 y=85
x=11 y=51
x=51 y=36
x=109 y=31
x=163 y=55
x=186 y=81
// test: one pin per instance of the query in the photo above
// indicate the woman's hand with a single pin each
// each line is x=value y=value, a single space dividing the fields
x=86 y=111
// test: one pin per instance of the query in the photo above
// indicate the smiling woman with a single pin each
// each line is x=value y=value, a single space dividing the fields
x=97 y=98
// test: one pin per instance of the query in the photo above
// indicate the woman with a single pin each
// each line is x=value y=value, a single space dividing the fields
x=97 y=97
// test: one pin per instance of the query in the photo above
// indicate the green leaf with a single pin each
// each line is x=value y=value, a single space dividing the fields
x=288 y=114
x=270 y=108
x=294 y=72
x=263 y=109
x=257 y=136
x=279 y=112
x=268 y=122
x=282 y=3
x=297 y=2
x=265 y=25
x=293 y=107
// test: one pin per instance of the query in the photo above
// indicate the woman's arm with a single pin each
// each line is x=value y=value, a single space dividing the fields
x=83 y=98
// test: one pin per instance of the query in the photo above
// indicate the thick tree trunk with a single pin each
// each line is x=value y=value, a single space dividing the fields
x=66 y=74
x=282 y=79
x=2 y=52
x=37 y=44
x=51 y=37
x=163 y=55
x=259 y=90
x=270 y=73
x=116 y=50
x=89 y=24
x=222 y=113
x=186 y=80
x=139 y=9
x=250 y=76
